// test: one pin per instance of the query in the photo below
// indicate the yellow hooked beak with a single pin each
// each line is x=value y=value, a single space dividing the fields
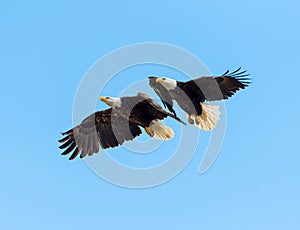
x=102 y=99
x=159 y=80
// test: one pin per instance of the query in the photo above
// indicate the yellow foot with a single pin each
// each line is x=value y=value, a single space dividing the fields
x=149 y=132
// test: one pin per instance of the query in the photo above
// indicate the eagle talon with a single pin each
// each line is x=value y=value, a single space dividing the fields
x=149 y=132
x=190 y=120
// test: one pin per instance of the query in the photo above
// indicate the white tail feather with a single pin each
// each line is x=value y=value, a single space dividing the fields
x=209 y=118
x=160 y=131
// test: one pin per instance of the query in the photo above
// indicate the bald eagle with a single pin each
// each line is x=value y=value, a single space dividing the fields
x=111 y=127
x=191 y=95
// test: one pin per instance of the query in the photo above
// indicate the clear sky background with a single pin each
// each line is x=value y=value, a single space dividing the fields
x=45 y=49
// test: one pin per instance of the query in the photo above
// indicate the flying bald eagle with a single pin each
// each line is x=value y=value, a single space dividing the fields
x=191 y=95
x=110 y=128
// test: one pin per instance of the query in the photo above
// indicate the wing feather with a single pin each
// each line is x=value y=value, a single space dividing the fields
x=224 y=86
x=104 y=128
x=163 y=94
x=155 y=111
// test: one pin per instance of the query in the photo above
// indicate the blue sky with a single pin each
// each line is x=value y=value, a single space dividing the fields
x=47 y=47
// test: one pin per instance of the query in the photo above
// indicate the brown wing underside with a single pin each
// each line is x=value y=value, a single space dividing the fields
x=104 y=128
x=155 y=110
x=223 y=87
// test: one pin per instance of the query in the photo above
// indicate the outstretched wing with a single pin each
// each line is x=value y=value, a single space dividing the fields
x=224 y=86
x=104 y=128
x=163 y=94
x=154 y=110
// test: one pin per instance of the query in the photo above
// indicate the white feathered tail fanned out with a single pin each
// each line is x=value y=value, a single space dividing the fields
x=159 y=131
x=209 y=118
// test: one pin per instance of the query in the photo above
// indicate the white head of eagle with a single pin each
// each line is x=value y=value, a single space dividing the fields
x=168 y=83
x=111 y=101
